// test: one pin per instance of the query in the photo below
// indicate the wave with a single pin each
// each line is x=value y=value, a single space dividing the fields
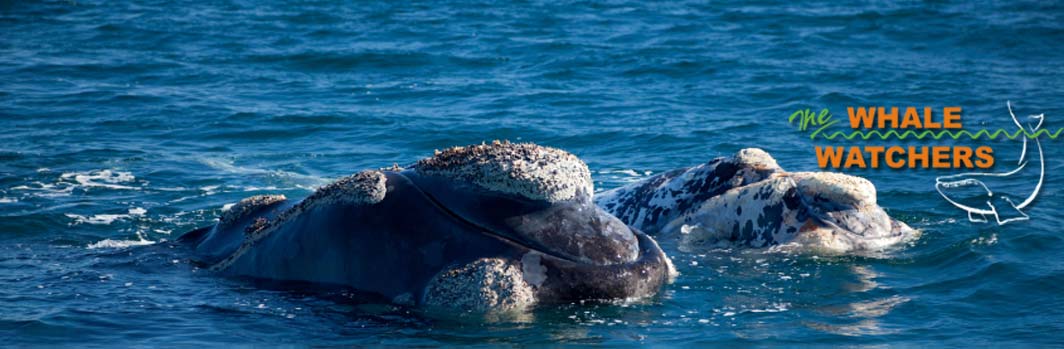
x=101 y=178
x=119 y=244
x=301 y=181
x=106 y=219
x=46 y=190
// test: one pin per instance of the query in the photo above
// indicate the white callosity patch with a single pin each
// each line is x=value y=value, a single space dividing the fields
x=247 y=206
x=366 y=187
x=488 y=284
x=756 y=158
x=836 y=187
x=529 y=170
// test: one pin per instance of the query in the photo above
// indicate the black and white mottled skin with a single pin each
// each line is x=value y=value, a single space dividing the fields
x=748 y=200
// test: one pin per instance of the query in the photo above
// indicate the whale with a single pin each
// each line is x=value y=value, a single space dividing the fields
x=972 y=191
x=490 y=227
x=748 y=200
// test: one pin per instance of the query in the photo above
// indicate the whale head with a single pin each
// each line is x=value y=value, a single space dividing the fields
x=842 y=215
x=537 y=201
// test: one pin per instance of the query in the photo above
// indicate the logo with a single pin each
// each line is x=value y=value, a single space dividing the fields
x=981 y=194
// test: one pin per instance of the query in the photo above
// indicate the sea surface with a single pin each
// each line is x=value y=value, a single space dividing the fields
x=124 y=125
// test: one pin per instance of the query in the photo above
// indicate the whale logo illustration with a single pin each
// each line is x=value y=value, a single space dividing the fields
x=985 y=202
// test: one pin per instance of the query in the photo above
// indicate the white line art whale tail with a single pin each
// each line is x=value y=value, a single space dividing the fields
x=1003 y=208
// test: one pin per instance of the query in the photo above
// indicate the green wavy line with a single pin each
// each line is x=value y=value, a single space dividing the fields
x=955 y=135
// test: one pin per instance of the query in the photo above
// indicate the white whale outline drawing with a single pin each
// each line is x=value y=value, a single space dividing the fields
x=963 y=179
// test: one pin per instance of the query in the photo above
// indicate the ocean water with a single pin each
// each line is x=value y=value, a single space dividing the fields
x=126 y=125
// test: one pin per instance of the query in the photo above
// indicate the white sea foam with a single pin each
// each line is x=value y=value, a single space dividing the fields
x=101 y=178
x=288 y=179
x=47 y=190
x=108 y=243
x=100 y=219
x=7 y=200
x=629 y=172
x=772 y=308
x=625 y=171
x=66 y=183
x=105 y=219
x=610 y=178
x=254 y=188
x=986 y=241
x=178 y=189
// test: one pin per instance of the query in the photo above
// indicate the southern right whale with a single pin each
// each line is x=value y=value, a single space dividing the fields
x=748 y=200
x=486 y=227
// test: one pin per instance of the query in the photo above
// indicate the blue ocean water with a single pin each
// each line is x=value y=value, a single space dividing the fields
x=126 y=125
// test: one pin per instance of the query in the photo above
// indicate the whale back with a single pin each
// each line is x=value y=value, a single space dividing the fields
x=391 y=247
x=222 y=239
x=653 y=203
